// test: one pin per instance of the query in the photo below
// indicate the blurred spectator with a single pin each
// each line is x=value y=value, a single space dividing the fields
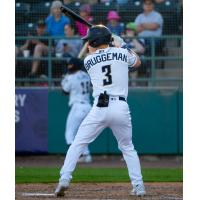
x=113 y=23
x=159 y=1
x=105 y=1
x=85 y=11
x=56 y=21
x=70 y=46
x=67 y=1
x=149 y=23
x=92 y=2
x=37 y=47
x=137 y=45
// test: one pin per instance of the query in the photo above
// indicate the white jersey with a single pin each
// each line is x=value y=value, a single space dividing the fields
x=108 y=70
x=78 y=86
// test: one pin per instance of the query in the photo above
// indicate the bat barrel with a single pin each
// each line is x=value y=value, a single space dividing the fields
x=76 y=17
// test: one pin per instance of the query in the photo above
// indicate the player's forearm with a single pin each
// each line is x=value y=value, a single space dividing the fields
x=138 y=61
x=138 y=47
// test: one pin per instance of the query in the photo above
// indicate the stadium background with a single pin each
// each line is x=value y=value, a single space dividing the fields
x=155 y=94
x=155 y=100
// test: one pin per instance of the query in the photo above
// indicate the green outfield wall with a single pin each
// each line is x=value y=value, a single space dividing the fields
x=157 y=118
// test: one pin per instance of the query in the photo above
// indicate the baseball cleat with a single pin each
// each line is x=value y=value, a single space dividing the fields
x=138 y=190
x=60 y=189
x=85 y=159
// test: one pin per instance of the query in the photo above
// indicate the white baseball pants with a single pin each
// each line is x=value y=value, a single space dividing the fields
x=117 y=117
x=76 y=115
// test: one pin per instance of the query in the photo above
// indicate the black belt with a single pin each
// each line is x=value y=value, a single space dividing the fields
x=122 y=99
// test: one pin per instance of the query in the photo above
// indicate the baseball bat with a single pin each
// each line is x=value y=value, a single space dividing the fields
x=83 y=51
x=68 y=11
x=76 y=17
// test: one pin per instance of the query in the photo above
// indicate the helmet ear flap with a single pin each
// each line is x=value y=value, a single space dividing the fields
x=93 y=43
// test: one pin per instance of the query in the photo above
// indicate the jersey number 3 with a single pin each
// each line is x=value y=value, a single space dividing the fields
x=107 y=70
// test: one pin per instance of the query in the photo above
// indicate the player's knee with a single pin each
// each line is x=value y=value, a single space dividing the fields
x=126 y=147
x=69 y=140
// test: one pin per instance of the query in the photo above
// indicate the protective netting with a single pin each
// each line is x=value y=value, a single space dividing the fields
x=161 y=57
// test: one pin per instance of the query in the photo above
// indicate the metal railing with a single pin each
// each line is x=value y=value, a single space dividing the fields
x=152 y=59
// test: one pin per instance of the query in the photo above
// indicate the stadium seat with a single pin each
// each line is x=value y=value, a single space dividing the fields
x=21 y=8
x=167 y=6
x=103 y=8
x=129 y=11
x=169 y=11
x=42 y=9
x=21 y=19
x=31 y=1
x=74 y=6
x=38 y=11
x=100 y=11
x=171 y=24
x=24 y=29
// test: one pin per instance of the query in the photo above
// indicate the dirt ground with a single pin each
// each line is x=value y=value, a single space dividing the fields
x=100 y=161
x=94 y=191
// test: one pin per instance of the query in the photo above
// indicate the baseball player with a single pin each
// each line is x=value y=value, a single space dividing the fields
x=108 y=70
x=77 y=85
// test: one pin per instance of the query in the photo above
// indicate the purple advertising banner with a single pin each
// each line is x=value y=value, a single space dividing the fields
x=31 y=120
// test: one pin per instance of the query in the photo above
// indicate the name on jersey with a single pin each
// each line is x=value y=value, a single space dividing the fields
x=105 y=57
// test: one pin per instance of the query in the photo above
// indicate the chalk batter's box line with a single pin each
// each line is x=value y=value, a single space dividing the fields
x=53 y=195
x=27 y=194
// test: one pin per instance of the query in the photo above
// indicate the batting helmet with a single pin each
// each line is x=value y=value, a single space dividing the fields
x=74 y=65
x=98 y=35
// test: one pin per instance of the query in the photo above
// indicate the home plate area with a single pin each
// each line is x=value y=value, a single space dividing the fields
x=95 y=191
